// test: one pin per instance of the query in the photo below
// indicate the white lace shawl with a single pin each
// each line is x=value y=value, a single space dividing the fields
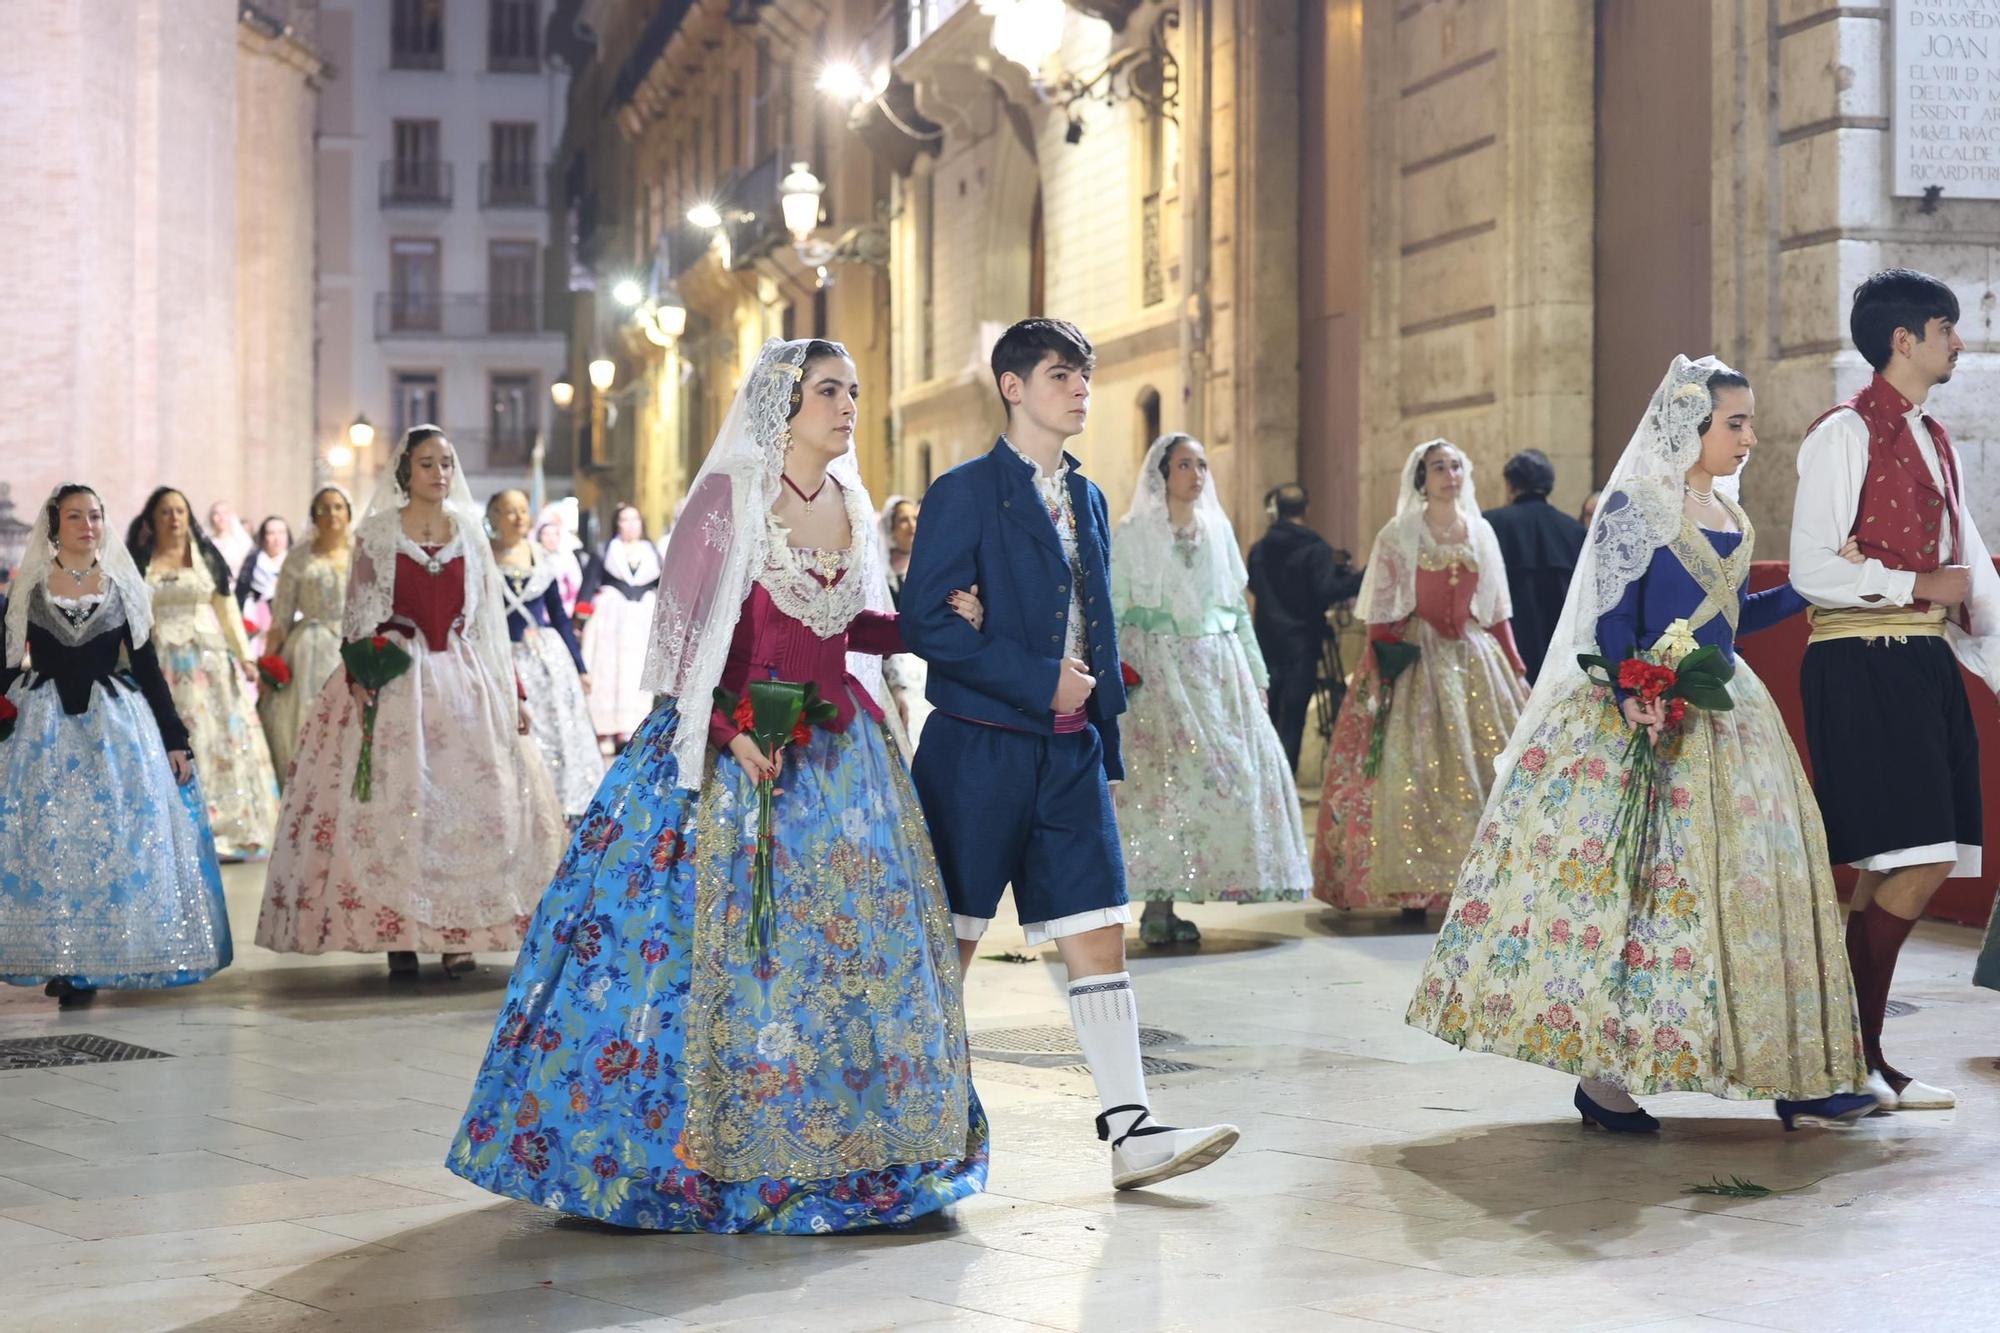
x=116 y=572
x=1147 y=569
x=1389 y=589
x=719 y=544
x=371 y=584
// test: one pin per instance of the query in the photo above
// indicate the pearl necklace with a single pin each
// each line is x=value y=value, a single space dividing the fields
x=1706 y=499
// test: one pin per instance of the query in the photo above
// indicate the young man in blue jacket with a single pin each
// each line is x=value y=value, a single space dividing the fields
x=1017 y=759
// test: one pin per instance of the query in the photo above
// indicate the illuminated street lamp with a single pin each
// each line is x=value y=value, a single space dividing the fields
x=339 y=457
x=603 y=374
x=628 y=292
x=706 y=216
x=799 y=195
x=1027 y=32
x=843 y=82
x=562 y=393
x=360 y=434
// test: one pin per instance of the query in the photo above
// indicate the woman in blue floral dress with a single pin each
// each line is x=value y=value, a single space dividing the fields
x=652 y=1066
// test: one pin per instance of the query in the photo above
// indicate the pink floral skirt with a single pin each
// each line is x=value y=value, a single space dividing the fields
x=458 y=841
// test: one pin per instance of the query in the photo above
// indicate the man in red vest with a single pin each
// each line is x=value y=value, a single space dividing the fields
x=1895 y=757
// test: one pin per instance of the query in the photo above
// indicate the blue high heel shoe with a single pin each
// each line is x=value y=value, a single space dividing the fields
x=1618 y=1122
x=1841 y=1107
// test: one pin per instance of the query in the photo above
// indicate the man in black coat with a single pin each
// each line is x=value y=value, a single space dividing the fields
x=1295 y=579
x=1541 y=545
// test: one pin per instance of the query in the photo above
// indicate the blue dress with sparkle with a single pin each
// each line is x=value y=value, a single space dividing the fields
x=651 y=1068
x=108 y=876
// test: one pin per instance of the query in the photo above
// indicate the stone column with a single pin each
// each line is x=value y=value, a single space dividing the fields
x=1480 y=124
x=117 y=280
x=277 y=100
x=1254 y=405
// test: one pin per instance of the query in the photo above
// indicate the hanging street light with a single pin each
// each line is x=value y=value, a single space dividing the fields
x=799 y=196
x=360 y=433
x=1027 y=32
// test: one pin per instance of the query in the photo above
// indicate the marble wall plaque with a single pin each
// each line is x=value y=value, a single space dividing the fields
x=1945 y=90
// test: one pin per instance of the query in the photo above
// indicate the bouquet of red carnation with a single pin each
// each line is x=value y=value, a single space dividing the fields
x=774 y=714
x=1700 y=681
x=272 y=670
x=1133 y=680
x=1392 y=659
x=371 y=664
x=8 y=715
x=583 y=612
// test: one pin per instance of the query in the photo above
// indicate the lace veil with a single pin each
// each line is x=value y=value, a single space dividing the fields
x=1389 y=589
x=1640 y=512
x=1145 y=563
x=371 y=571
x=721 y=544
x=115 y=568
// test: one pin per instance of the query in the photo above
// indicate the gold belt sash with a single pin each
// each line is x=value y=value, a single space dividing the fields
x=1899 y=623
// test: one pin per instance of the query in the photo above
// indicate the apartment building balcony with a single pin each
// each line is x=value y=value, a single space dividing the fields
x=505 y=185
x=415 y=184
x=460 y=315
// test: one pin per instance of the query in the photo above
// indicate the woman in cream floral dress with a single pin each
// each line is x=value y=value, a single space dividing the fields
x=205 y=655
x=305 y=622
x=1435 y=581
x=1723 y=969
x=1207 y=810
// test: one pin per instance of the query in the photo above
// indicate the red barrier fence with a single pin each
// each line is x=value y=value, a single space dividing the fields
x=1775 y=656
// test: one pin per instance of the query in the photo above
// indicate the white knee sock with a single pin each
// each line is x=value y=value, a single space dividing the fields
x=1107 y=1027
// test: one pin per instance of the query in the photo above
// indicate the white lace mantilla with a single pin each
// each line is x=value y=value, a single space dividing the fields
x=816 y=587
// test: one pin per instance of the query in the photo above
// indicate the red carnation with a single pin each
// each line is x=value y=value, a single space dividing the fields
x=744 y=717
x=1132 y=680
x=379 y=642
x=274 y=671
x=1677 y=711
x=802 y=733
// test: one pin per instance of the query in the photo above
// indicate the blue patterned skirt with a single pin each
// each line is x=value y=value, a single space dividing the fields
x=651 y=1069
x=107 y=870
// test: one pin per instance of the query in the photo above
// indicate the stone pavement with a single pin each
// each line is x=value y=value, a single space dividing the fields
x=282 y=1172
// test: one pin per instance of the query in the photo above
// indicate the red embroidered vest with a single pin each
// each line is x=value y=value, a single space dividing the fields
x=1900 y=519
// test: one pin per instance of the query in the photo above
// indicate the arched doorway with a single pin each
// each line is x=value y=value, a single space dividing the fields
x=1146 y=420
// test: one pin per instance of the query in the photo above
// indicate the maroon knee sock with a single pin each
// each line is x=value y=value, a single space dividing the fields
x=1874 y=939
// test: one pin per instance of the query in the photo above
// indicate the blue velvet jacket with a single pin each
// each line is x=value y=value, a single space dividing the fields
x=984 y=524
x=1668 y=592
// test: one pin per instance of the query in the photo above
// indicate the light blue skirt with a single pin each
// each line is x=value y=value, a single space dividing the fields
x=108 y=873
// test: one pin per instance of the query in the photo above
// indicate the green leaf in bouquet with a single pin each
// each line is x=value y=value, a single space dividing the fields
x=374 y=662
x=1393 y=659
x=777 y=705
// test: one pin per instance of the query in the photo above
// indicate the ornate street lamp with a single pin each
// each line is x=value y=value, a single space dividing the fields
x=562 y=393
x=360 y=435
x=1027 y=32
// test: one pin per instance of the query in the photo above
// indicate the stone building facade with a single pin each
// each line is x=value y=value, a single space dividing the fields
x=433 y=155
x=152 y=252
x=707 y=103
x=1312 y=233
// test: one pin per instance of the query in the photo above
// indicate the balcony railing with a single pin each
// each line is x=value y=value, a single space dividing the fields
x=511 y=185
x=419 y=184
x=497 y=450
x=459 y=315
